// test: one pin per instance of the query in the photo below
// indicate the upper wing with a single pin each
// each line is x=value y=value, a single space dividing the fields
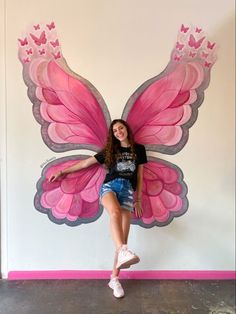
x=70 y=110
x=162 y=110
x=74 y=198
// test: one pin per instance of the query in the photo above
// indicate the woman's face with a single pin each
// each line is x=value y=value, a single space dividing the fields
x=120 y=131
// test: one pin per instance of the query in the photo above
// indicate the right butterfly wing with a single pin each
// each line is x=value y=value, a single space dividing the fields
x=70 y=110
x=160 y=113
x=74 y=198
x=163 y=194
x=162 y=109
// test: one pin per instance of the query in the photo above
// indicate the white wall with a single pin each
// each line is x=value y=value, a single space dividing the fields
x=3 y=224
x=117 y=45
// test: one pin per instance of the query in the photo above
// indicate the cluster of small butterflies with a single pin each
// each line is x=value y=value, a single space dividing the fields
x=192 y=44
x=42 y=41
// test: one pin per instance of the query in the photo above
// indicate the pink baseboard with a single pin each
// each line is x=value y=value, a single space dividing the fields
x=139 y=274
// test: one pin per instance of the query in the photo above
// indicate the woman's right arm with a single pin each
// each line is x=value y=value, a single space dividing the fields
x=85 y=163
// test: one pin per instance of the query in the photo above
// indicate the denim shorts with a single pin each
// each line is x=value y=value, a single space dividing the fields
x=123 y=190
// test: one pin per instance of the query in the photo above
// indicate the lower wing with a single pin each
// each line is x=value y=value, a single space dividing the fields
x=72 y=199
x=164 y=194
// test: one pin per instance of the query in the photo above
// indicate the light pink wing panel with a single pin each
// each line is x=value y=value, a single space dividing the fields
x=72 y=199
x=164 y=194
x=162 y=110
x=70 y=110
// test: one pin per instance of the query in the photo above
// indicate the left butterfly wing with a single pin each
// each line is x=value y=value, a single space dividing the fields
x=164 y=194
x=162 y=110
x=74 y=198
x=72 y=113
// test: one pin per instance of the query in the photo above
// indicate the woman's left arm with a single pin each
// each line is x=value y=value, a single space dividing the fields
x=138 y=200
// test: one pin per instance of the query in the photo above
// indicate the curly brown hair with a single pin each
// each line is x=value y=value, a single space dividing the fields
x=112 y=147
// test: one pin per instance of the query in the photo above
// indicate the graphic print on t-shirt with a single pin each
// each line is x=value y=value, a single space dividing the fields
x=125 y=165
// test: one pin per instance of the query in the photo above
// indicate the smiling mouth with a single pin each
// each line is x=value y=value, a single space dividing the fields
x=120 y=136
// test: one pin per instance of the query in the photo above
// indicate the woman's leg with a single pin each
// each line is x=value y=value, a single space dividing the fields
x=119 y=220
x=111 y=204
x=126 y=218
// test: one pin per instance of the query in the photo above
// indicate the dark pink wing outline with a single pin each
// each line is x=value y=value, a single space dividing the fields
x=94 y=214
x=181 y=197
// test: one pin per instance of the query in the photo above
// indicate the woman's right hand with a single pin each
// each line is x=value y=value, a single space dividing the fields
x=85 y=163
x=55 y=176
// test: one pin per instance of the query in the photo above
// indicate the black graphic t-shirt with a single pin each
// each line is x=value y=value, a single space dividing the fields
x=125 y=166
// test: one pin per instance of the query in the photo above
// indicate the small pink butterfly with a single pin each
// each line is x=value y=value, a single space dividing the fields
x=184 y=29
x=204 y=55
x=207 y=64
x=177 y=57
x=29 y=51
x=192 y=54
x=23 y=42
x=198 y=30
x=54 y=43
x=195 y=43
x=57 y=55
x=210 y=45
x=39 y=40
x=179 y=46
x=36 y=27
x=26 y=60
x=41 y=52
x=51 y=26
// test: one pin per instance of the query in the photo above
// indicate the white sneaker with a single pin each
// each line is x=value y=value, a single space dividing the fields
x=115 y=285
x=126 y=258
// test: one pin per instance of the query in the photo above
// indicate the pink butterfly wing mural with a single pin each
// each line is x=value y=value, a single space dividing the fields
x=73 y=115
x=72 y=199
x=160 y=113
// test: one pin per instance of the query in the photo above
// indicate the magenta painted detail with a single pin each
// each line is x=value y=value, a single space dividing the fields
x=105 y=274
x=73 y=115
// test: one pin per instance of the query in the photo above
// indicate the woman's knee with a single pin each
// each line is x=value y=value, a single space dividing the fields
x=115 y=213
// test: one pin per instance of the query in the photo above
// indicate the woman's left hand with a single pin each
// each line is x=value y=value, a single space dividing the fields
x=138 y=209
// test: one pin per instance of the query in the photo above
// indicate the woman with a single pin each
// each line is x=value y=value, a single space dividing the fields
x=124 y=161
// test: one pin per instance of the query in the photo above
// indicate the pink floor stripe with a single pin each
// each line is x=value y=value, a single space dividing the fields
x=104 y=274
